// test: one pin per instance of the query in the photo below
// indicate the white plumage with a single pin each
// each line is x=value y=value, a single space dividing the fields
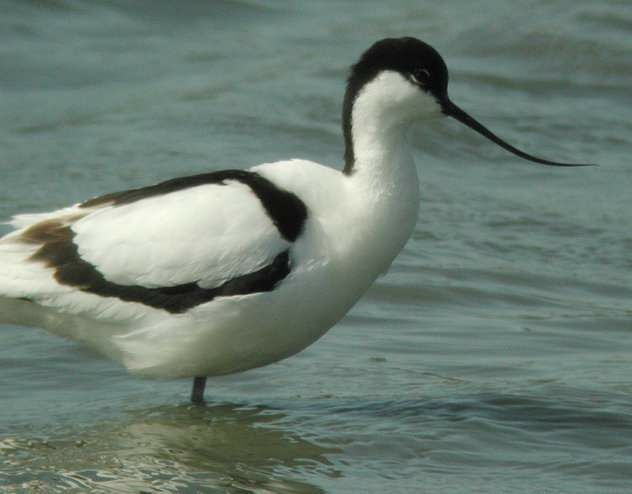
x=208 y=233
x=216 y=274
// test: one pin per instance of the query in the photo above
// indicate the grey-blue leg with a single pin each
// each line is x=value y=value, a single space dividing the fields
x=197 y=394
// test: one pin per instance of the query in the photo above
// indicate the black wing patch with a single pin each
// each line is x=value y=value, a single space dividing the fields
x=59 y=252
x=285 y=209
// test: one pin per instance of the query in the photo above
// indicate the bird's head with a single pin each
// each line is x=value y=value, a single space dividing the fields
x=402 y=80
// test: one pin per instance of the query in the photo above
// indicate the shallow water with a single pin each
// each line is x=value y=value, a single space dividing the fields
x=494 y=356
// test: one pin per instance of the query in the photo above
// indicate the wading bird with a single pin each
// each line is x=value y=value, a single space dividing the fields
x=229 y=270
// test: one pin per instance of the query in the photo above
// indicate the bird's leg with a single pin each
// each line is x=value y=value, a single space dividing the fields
x=197 y=393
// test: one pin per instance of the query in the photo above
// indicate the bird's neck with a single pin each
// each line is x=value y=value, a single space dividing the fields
x=375 y=122
x=378 y=156
x=384 y=186
x=383 y=161
x=384 y=178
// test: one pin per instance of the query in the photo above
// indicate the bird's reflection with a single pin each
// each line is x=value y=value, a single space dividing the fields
x=214 y=448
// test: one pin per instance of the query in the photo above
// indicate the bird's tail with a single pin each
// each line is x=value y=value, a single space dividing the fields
x=18 y=312
x=20 y=279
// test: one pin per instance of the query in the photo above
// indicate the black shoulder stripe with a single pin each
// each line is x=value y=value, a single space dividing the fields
x=173 y=185
x=61 y=253
x=284 y=208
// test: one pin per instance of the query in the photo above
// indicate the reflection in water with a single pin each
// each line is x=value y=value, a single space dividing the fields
x=222 y=448
x=240 y=449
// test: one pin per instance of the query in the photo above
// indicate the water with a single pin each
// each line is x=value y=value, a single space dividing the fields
x=494 y=356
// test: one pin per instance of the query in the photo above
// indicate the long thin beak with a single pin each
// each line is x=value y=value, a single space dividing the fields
x=454 y=111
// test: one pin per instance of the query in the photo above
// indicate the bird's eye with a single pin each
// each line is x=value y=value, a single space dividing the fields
x=420 y=76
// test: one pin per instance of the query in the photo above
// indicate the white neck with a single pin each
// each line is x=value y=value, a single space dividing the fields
x=383 y=155
x=380 y=118
x=384 y=182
